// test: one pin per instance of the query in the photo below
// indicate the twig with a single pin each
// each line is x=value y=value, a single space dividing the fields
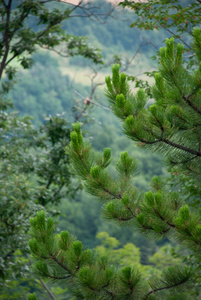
x=88 y=100
x=47 y=289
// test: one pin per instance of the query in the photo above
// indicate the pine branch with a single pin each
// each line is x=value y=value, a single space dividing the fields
x=165 y=288
x=163 y=219
x=60 y=264
x=174 y=278
x=56 y=277
x=178 y=146
x=187 y=99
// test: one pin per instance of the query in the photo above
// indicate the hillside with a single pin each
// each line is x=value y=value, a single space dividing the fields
x=48 y=88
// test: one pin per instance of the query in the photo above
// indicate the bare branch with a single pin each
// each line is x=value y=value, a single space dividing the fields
x=132 y=58
x=88 y=100
x=47 y=289
x=170 y=31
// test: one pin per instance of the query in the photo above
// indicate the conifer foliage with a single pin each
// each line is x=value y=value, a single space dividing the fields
x=172 y=125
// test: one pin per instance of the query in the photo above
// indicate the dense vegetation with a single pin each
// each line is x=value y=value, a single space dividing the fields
x=35 y=172
x=171 y=125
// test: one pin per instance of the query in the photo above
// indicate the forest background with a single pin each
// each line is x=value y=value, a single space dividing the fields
x=55 y=89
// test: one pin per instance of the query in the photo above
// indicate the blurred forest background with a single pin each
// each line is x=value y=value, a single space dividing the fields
x=57 y=90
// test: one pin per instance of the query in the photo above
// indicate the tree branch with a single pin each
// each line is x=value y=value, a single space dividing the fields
x=88 y=100
x=8 y=61
x=55 y=277
x=47 y=289
x=6 y=38
x=161 y=217
x=4 y=3
x=115 y=196
x=165 y=288
x=187 y=99
x=184 y=148
x=60 y=264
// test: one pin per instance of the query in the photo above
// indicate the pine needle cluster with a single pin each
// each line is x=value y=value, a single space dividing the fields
x=172 y=124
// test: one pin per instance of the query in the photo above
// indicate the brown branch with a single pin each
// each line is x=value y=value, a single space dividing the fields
x=22 y=18
x=165 y=288
x=132 y=58
x=60 y=264
x=129 y=209
x=124 y=219
x=55 y=277
x=47 y=289
x=184 y=161
x=8 y=61
x=192 y=237
x=80 y=114
x=88 y=100
x=151 y=228
x=173 y=144
x=115 y=196
x=184 y=148
x=161 y=217
x=53 y=50
x=6 y=38
x=45 y=30
x=170 y=31
x=75 y=6
x=187 y=99
x=146 y=142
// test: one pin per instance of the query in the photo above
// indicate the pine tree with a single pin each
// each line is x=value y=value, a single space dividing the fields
x=171 y=125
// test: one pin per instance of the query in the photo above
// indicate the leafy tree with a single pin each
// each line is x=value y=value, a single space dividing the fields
x=176 y=17
x=27 y=25
x=34 y=174
x=129 y=254
x=171 y=125
x=34 y=168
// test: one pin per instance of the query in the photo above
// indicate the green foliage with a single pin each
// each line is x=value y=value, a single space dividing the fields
x=158 y=213
x=27 y=25
x=52 y=88
x=77 y=264
x=31 y=296
x=34 y=175
x=176 y=17
x=175 y=112
x=96 y=277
